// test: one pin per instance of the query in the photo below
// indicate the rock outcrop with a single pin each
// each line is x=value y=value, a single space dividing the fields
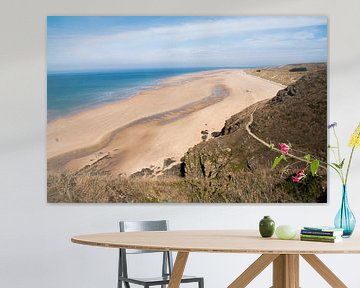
x=297 y=114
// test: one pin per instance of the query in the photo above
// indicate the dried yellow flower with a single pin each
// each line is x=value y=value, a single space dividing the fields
x=355 y=138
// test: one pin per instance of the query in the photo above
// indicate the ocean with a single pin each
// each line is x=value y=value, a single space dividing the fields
x=69 y=93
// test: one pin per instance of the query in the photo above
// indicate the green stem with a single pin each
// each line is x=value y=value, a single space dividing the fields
x=341 y=174
x=304 y=160
x=333 y=152
x=337 y=171
x=306 y=153
x=338 y=146
x=295 y=157
x=348 y=166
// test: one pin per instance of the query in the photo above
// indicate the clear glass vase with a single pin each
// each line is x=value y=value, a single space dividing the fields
x=345 y=219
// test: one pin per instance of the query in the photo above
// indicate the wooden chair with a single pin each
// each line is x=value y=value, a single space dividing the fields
x=167 y=262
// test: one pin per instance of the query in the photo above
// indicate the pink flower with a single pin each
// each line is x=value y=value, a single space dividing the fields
x=300 y=174
x=284 y=148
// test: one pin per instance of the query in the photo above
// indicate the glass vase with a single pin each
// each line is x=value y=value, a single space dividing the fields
x=345 y=219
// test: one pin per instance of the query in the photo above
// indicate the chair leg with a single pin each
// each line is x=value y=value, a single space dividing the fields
x=201 y=283
x=126 y=284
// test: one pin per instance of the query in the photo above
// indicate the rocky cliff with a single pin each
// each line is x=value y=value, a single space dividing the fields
x=296 y=115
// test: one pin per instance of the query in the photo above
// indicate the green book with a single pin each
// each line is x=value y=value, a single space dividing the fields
x=319 y=236
x=325 y=240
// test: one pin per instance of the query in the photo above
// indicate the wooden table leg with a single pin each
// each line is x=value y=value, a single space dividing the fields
x=253 y=270
x=324 y=271
x=286 y=271
x=178 y=269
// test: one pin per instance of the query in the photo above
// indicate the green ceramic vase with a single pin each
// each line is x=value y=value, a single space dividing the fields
x=267 y=227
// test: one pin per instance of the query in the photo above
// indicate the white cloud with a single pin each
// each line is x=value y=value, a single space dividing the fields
x=187 y=43
x=215 y=28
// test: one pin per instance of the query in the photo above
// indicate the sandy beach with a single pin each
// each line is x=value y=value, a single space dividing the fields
x=143 y=130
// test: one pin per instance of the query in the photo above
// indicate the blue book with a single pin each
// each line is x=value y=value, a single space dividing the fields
x=322 y=231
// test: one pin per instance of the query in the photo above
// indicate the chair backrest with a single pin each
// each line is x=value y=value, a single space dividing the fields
x=133 y=226
x=137 y=226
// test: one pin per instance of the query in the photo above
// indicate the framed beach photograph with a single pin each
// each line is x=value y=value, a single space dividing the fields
x=187 y=109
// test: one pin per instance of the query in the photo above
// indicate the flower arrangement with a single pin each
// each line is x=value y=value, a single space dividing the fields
x=344 y=219
x=312 y=164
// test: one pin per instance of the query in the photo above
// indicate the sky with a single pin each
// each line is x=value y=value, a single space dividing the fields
x=89 y=43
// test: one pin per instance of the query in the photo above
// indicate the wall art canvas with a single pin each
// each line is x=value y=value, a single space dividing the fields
x=187 y=109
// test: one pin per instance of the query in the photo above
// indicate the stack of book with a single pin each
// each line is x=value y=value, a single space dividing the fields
x=321 y=234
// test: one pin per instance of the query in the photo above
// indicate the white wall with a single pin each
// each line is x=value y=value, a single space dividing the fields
x=35 y=248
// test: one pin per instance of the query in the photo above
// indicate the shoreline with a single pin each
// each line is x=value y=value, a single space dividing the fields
x=166 y=126
x=159 y=83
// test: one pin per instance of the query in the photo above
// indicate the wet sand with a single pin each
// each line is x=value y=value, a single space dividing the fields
x=164 y=122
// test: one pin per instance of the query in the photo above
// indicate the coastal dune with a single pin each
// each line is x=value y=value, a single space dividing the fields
x=164 y=122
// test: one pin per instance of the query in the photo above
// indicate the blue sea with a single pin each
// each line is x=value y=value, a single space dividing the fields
x=69 y=93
